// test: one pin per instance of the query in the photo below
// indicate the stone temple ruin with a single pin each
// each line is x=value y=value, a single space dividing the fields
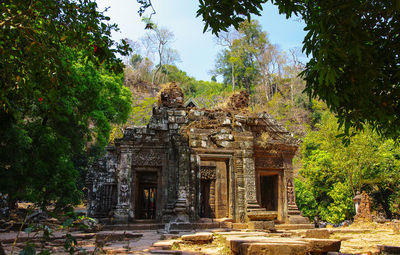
x=191 y=163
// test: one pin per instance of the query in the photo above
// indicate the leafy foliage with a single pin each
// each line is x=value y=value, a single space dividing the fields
x=354 y=49
x=333 y=172
x=219 y=15
x=60 y=88
x=240 y=60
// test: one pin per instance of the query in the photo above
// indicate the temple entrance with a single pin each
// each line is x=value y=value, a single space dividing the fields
x=146 y=195
x=269 y=192
x=214 y=183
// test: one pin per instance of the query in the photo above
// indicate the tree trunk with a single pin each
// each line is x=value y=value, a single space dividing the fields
x=233 y=77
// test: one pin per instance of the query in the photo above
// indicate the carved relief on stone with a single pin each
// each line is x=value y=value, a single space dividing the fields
x=208 y=173
x=290 y=192
x=124 y=188
x=250 y=188
x=146 y=158
x=269 y=162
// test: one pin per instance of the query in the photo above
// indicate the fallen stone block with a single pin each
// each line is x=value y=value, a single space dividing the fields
x=235 y=242
x=165 y=245
x=273 y=249
x=317 y=233
x=203 y=237
x=315 y=245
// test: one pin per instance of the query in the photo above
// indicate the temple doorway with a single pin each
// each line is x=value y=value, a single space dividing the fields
x=269 y=192
x=146 y=195
x=214 y=188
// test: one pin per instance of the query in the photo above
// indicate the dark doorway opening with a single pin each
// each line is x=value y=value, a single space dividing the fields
x=205 y=204
x=269 y=192
x=147 y=195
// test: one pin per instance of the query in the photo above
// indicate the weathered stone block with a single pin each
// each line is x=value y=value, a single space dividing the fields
x=227 y=122
x=256 y=225
x=273 y=249
x=171 y=119
x=227 y=137
x=225 y=131
x=317 y=233
x=194 y=143
x=173 y=126
x=180 y=113
x=226 y=224
x=195 y=114
x=204 y=237
x=226 y=144
x=322 y=245
x=239 y=225
x=180 y=119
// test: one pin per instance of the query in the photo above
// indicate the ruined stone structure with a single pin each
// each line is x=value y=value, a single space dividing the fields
x=363 y=211
x=190 y=163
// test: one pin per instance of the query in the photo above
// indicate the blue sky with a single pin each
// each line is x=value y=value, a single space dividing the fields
x=197 y=50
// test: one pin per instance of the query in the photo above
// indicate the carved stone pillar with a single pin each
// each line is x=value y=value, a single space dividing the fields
x=293 y=212
x=181 y=205
x=250 y=183
x=123 y=209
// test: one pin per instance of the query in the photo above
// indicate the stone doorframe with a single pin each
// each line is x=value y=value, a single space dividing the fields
x=135 y=188
x=228 y=158
x=149 y=159
x=280 y=187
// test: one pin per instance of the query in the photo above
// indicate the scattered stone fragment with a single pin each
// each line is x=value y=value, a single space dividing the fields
x=202 y=237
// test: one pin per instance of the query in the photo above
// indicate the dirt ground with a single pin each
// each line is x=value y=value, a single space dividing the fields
x=356 y=239
x=364 y=238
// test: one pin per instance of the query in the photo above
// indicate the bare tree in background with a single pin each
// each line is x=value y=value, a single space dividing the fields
x=158 y=41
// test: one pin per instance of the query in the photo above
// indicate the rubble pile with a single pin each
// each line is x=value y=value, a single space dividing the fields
x=238 y=101
x=171 y=96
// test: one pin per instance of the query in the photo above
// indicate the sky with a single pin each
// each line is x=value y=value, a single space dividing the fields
x=197 y=50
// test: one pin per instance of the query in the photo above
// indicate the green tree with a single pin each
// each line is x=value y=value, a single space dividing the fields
x=333 y=172
x=240 y=61
x=61 y=86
